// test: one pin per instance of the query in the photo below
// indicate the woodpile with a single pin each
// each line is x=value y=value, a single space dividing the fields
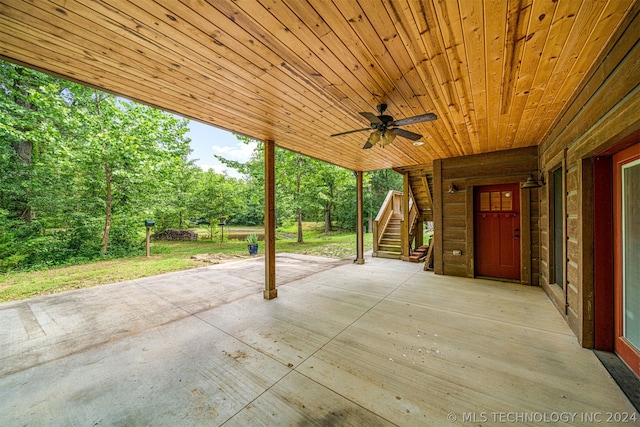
x=172 y=234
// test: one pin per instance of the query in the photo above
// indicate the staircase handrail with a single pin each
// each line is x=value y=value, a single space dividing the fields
x=383 y=218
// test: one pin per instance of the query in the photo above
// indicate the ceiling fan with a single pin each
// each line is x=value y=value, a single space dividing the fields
x=385 y=128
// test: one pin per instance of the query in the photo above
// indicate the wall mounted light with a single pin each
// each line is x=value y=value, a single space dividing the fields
x=452 y=188
x=531 y=182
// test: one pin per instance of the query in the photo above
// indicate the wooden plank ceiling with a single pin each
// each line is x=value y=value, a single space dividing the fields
x=497 y=73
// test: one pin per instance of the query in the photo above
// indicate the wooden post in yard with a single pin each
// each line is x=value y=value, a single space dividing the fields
x=148 y=242
x=148 y=223
x=270 y=290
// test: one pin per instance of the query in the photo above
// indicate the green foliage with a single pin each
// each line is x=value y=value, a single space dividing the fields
x=12 y=252
x=82 y=169
x=252 y=239
x=74 y=160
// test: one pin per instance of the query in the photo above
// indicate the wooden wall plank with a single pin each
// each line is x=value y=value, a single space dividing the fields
x=594 y=27
x=562 y=22
x=495 y=12
x=474 y=45
x=556 y=95
x=517 y=21
x=539 y=24
x=615 y=76
x=457 y=208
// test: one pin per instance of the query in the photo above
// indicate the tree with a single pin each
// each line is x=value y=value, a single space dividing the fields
x=72 y=157
x=28 y=125
x=129 y=154
x=305 y=188
x=214 y=196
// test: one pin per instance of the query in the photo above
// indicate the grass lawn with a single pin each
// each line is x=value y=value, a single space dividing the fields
x=174 y=256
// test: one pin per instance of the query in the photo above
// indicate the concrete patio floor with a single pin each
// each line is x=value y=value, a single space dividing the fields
x=383 y=343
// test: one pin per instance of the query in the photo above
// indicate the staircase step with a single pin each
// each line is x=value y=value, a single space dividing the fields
x=419 y=254
x=394 y=246
x=385 y=254
x=385 y=241
x=388 y=239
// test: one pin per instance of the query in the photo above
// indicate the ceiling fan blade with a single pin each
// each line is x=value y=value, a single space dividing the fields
x=350 y=131
x=415 y=119
x=371 y=117
x=406 y=134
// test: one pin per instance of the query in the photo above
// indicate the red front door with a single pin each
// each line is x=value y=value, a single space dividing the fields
x=497 y=231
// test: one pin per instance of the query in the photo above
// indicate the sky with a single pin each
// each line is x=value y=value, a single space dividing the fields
x=208 y=140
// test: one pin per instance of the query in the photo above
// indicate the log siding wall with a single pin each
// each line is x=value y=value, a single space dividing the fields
x=453 y=215
x=604 y=112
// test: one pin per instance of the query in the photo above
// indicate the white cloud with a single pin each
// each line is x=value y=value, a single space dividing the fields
x=221 y=169
x=240 y=152
x=207 y=141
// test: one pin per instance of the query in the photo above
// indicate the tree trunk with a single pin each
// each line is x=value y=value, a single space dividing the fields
x=327 y=219
x=24 y=150
x=107 y=221
x=300 y=239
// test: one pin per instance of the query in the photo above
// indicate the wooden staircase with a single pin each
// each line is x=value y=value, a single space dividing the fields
x=419 y=254
x=390 y=245
x=392 y=237
x=387 y=236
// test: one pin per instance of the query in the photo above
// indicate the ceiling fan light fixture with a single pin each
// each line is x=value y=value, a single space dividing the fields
x=373 y=138
x=385 y=128
x=387 y=138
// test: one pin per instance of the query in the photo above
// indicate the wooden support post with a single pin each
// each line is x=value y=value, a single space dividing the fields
x=404 y=227
x=586 y=330
x=360 y=220
x=525 y=236
x=438 y=264
x=270 y=290
x=419 y=232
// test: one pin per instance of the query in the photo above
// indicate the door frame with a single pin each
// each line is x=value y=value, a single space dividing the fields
x=627 y=351
x=604 y=333
x=525 y=226
x=557 y=294
x=493 y=267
